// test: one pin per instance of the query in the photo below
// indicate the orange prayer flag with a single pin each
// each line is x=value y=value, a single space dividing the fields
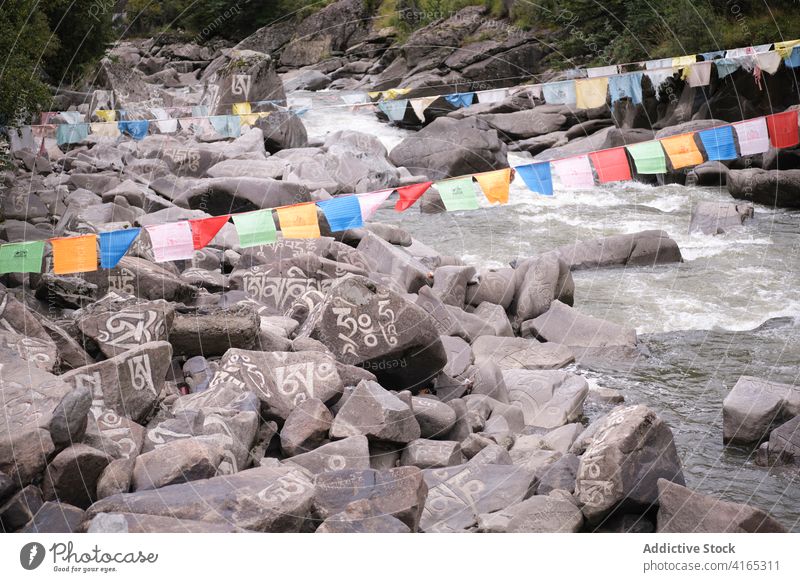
x=74 y=254
x=299 y=221
x=495 y=185
x=682 y=151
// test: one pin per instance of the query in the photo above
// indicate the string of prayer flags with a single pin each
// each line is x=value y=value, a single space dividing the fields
x=492 y=95
x=420 y=105
x=107 y=115
x=136 y=129
x=394 y=110
x=355 y=98
x=22 y=257
x=74 y=254
x=537 y=177
x=68 y=133
x=299 y=221
x=370 y=202
x=172 y=241
x=495 y=185
x=560 y=92
x=608 y=71
x=575 y=172
x=114 y=244
x=699 y=74
x=682 y=151
x=407 y=195
x=769 y=62
x=611 y=165
x=205 y=229
x=255 y=228
x=459 y=100
x=164 y=123
x=685 y=61
x=591 y=93
x=658 y=64
x=648 y=156
x=628 y=85
x=105 y=129
x=458 y=194
x=241 y=108
x=753 y=136
x=784 y=49
x=395 y=93
x=718 y=143
x=342 y=212
x=783 y=130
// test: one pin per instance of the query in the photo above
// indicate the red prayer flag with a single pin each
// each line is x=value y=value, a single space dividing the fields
x=783 y=132
x=611 y=165
x=410 y=194
x=205 y=229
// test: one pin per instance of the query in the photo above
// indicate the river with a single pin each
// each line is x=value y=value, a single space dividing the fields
x=732 y=308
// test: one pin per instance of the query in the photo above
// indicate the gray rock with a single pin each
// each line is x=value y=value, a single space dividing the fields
x=717 y=217
x=630 y=452
x=360 y=517
x=646 y=248
x=539 y=281
x=212 y=331
x=377 y=414
x=496 y=286
x=349 y=453
x=681 y=510
x=544 y=514
x=560 y=475
x=143 y=279
x=306 y=427
x=768 y=187
x=429 y=454
x=784 y=443
x=116 y=478
x=435 y=418
x=384 y=257
x=179 y=461
x=519 y=353
x=55 y=517
x=752 y=407
x=20 y=509
x=450 y=282
x=71 y=477
x=70 y=418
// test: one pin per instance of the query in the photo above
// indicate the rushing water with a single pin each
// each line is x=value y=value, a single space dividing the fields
x=705 y=321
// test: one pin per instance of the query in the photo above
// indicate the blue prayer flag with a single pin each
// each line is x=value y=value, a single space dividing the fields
x=719 y=143
x=136 y=129
x=793 y=60
x=114 y=244
x=460 y=99
x=537 y=177
x=342 y=213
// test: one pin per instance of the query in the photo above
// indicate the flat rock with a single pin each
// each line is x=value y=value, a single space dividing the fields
x=752 y=407
x=646 y=248
x=544 y=514
x=179 y=461
x=519 y=353
x=717 y=217
x=349 y=453
x=430 y=454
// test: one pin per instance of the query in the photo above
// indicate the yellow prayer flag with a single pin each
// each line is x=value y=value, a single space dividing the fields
x=784 y=49
x=682 y=151
x=495 y=185
x=106 y=115
x=299 y=221
x=591 y=93
x=241 y=108
x=374 y=94
x=248 y=118
x=74 y=254
x=685 y=61
x=395 y=93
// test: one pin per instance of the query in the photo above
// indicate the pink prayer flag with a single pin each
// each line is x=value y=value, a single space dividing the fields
x=753 y=136
x=574 y=172
x=171 y=242
x=371 y=202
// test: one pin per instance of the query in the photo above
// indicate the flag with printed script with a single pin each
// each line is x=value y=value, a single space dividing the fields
x=299 y=221
x=537 y=177
x=783 y=130
x=649 y=157
x=255 y=228
x=342 y=213
x=114 y=244
x=205 y=229
x=753 y=136
x=407 y=195
x=495 y=185
x=22 y=257
x=682 y=151
x=171 y=242
x=611 y=165
x=458 y=194
x=718 y=143
x=575 y=172
x=74 y=254
x=371 y=202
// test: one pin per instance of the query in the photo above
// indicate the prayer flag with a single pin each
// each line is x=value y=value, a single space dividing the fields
x=718 y=143
x=104 y=129
x=114 y=244
x=602 y=71
x=460 y=99
x=561 y=92
x=682 y=151
x=495 y=185
x=342 y=212
x=793 y=60
x=680 y=62
x=22 y=257
x=784 y=49
x=753 y=136
x=106 y=115
x=591 y=93
x=69 y=133
x=699 y=74
x=255 y=228
x=611 y=165
x=136 y=129
x=226 y=125
x=574 y=172
x=164 y=124
x=420 y=105
x=241 y=108
x=492 y=95
x=458 y=194
x=74 y=254
x=370 y=202
x=394 y=110
x=783 y=131
x=395 y=93
x=537 y=177
x=769 y=62
x=299 y=221
x=171 y=242
x=407 y=195
x=648 y=157
x=628 y=85
x=205 y=229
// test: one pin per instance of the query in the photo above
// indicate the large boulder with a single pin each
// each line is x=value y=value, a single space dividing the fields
x=631 y=450
x=717 y=217
x=243 y=75
x=282 y=130
x=389 y=259
x=511 y=353
x=451 y=147
x=768 y=187
x=538 y=282
x=681 y=510
x=646 y=248
x=548 y=398
x=530 y=123
x=365 y=324
x=377 y=414
x=754 y=406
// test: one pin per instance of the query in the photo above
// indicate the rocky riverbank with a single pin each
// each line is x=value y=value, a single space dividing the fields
x=361 y=381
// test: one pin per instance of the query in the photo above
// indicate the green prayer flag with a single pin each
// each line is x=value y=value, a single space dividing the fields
x=22 y=257
x=649 y=157
x=458 y=194
x=255 y=228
